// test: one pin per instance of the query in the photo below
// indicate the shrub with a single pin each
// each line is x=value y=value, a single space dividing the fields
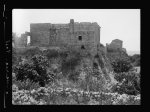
x=93 y=102
x=135 y=59
x=51 y=53
x=111 y=50
x=129 y=83
x=31 y=51
x=26 y=85
x=24 y=71
x=61 y=96
x=70 y=62
x=74 y=75
x=34 y=69
x=63 y=54
x=94 y=80
x=100 y=61
x=121 y=64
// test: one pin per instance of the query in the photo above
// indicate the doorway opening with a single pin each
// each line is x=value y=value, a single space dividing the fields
x=82 y=47
x=80 y=37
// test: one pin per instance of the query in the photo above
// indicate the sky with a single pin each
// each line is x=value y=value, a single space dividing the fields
x=123 y=24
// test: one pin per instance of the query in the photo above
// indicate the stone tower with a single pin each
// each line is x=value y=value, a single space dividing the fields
x=71 y=25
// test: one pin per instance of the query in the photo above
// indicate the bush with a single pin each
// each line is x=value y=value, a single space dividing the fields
x=26 y=85
x=94 y=80
x=74 y=75
x=31 y=51
x=100 y=61
x=69 y=96
x=129 y=83
x=34 y=69
x=121 y=64
x=70 y=62
x=111 y=50
x=135 y=59
x=51 y=53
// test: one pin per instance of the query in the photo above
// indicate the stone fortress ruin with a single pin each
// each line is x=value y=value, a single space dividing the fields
x=83 y=36
x=116 y=44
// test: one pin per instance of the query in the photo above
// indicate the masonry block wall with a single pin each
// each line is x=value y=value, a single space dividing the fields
x=115 y=44
x=84 y=36
x=20 y=41
x=39 y=34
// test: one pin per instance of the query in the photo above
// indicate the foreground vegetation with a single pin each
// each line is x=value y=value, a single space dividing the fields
x=54 y=77
x=68 y=96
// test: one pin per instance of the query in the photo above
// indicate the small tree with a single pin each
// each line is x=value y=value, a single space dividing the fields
x=34 y=69
x=121 y=64
x=135 y=59
x=128 y=83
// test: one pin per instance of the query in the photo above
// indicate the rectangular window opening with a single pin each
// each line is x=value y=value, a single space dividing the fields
x=80 y=37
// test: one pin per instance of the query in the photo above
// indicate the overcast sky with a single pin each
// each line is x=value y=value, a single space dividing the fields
x=123 y=24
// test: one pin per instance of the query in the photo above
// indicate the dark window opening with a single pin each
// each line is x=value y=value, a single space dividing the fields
x=82 y=47
x=80 y=37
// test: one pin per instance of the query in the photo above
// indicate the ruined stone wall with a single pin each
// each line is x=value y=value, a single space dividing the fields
x=87 y=26
x=40 y=34
x=90 y=33
x=83 y=41
x=63 y=37
x=97 y=33
x=46 y=34
x=115 y=45
x=82 y=36
x=20 y=41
